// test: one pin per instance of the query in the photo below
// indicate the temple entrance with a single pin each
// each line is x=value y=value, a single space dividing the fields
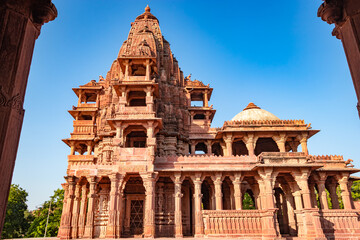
x=134 y=193
x=187 y=208
x=136 y=217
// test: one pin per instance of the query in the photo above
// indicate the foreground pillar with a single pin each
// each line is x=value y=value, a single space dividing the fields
x=20 y=24
x=149 y=218
x=178 y=214
x=345 y=15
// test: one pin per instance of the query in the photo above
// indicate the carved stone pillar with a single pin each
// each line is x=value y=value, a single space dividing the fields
x=302 y=180
x=345 y=15
x=268 y=177
x=345 y=194
x=20 y=24
x=218 y=193
x=199 y=230
x=149 y=180
x=178 y=213
x=333 y=195
x=298 y=200
x=89 y=227
x=237 y=191
x=192 y=147
x=206 y=102
x=83 y=207
x=228 y=144
x=208 y=147
x=75 y=213
x=111 y=226
x=147 y=76
x=291 y=213
x=250 y=144
x=313 y=195
x=65 y=225
x=303 y=142
x=280 y=141
x=322 y=194
x=120 y=213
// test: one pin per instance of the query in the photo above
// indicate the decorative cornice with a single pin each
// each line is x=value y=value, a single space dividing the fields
x=264 y=122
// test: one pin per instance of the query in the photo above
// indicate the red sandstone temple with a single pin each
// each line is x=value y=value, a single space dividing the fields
x=145 y=161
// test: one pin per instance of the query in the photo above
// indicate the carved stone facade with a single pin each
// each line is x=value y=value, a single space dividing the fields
x=145 y=161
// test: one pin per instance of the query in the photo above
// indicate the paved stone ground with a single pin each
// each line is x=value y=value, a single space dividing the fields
x=185 y=238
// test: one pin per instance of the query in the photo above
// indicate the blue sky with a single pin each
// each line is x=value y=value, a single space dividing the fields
x=277 y=54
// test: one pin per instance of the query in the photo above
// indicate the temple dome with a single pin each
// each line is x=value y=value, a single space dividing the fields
x=253 y=112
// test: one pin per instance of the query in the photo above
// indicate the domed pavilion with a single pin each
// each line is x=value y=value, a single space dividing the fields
x=144 y=160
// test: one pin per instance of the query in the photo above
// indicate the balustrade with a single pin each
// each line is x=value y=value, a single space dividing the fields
x=233 y=222
x=339 y=221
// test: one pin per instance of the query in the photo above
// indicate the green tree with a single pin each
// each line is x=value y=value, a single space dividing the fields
x=248 y=202
x=17 y=216
x=355 y=190
x=37 y=227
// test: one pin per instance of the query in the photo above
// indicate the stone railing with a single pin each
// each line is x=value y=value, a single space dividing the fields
x=81 y=159
x=276 y=158
x=86 y=105
x=236 y=223
x=83 y=127
x=326 y=157
x=339 y=222
x=264 y=122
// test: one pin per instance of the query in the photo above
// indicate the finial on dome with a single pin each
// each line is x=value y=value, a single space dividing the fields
x=147 y=8
x=251 y=106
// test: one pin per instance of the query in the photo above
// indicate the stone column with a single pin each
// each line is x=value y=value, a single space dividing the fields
x=111 y=226
x=206 y=102
x=322 y=194
x=178 y=213
x=290 y=212
x=303 y=142
x=228 y=143
x=20 y=23
x=83 y=207
x=313 y=195
x=89 y=227
x=250 y=142
x=298 y=200
x=346 y=17
x=237 y=191
x=218 y=193
x=345 y=194
x=120 y=212
x=333 y=195
x=302 y=180
x=149 y=180
x=126 y=70
x=65 y=226
x=208 y=146
x=280 y=141
x=75 y=213
x=192 y=143
x=268 y=180
x=199 y=230
x=147 y=76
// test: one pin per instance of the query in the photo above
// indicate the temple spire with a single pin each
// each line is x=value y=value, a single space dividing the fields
x=147 y=8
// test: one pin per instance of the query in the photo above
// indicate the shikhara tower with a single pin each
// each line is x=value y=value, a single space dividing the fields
x=145 y=162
